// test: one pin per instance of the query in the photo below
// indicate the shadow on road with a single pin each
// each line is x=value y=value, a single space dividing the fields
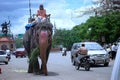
x=82 y=69
x=52 y=74
x=97 y=66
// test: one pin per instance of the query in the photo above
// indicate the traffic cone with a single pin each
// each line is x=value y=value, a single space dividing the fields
x=0 y=71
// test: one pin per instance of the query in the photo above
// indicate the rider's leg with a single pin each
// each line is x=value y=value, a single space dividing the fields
x=43 y=20
x=39 y=19
x=78 y=58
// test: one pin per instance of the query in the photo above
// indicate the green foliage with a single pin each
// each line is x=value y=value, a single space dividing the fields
x=95 y=29
x=19 y=43
x=64 y=37
x=34 y=55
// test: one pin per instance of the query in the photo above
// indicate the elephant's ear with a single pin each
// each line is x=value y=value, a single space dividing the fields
x=50 y=26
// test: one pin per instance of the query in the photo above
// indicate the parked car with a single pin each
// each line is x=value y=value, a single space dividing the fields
x=4 y=57
x=98 y=55
x=20 y=52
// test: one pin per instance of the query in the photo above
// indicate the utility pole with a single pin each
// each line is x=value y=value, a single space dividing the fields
x=29 y=20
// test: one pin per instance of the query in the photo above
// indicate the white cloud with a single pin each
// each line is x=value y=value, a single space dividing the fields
x=20 y=28
x=60 y=14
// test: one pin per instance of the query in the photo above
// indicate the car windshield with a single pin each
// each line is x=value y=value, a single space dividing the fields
x=2 y=52
x=93 y=47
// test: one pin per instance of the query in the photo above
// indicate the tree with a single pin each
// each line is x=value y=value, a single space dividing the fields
x=19 y=43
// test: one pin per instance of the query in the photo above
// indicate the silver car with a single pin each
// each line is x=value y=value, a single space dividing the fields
x=98 y=54
x=3 y=57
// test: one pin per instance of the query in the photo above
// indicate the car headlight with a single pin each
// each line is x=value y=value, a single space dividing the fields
x=106 y=55
x=93 y=56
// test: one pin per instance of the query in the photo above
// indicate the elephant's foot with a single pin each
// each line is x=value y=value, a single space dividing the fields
x=43 y=72
x=30 y=69
x=46 y=74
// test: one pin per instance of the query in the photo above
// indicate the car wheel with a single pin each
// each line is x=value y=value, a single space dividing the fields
x=106 y=64
x=16 y=56
x=6 y=62
x=87 y=67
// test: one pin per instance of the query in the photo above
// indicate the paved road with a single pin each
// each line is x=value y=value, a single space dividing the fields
x=59 y=68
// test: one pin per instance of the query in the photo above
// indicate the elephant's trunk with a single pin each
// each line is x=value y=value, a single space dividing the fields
x=43 y=42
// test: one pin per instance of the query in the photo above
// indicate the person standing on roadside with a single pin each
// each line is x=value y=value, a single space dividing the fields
x=114 y=50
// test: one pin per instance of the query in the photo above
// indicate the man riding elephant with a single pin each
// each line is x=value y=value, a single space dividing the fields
x=41 y=14
x=37 y=42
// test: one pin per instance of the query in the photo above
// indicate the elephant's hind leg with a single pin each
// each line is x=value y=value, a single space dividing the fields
x=30 y=68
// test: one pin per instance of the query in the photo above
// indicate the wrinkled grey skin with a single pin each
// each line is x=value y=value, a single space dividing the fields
x=31 y=41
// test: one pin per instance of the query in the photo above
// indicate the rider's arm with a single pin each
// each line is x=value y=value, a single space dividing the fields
x=77 y=52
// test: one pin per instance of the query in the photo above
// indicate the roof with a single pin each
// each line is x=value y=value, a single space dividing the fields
x=6 y=39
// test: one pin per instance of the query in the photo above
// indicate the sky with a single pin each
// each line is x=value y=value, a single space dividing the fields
x=63 y=12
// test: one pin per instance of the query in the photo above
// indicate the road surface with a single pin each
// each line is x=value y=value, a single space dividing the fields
x=59 y=68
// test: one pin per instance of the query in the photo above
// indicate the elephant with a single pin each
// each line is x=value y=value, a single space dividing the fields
x=37 y=42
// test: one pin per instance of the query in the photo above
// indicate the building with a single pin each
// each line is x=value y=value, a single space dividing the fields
x=116 y=4
x=7 y=43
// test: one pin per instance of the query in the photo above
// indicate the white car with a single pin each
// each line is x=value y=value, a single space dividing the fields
x=3 y=57
x=98 y=54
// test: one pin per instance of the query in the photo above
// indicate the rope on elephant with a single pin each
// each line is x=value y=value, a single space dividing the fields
x=34 y=55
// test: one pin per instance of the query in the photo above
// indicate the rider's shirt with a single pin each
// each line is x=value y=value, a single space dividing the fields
x=83 y=51
x=41 y=13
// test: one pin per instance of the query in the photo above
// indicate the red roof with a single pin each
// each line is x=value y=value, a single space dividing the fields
x=5 y=39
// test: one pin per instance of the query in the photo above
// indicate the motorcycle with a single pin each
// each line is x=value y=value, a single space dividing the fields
x=84 y=62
